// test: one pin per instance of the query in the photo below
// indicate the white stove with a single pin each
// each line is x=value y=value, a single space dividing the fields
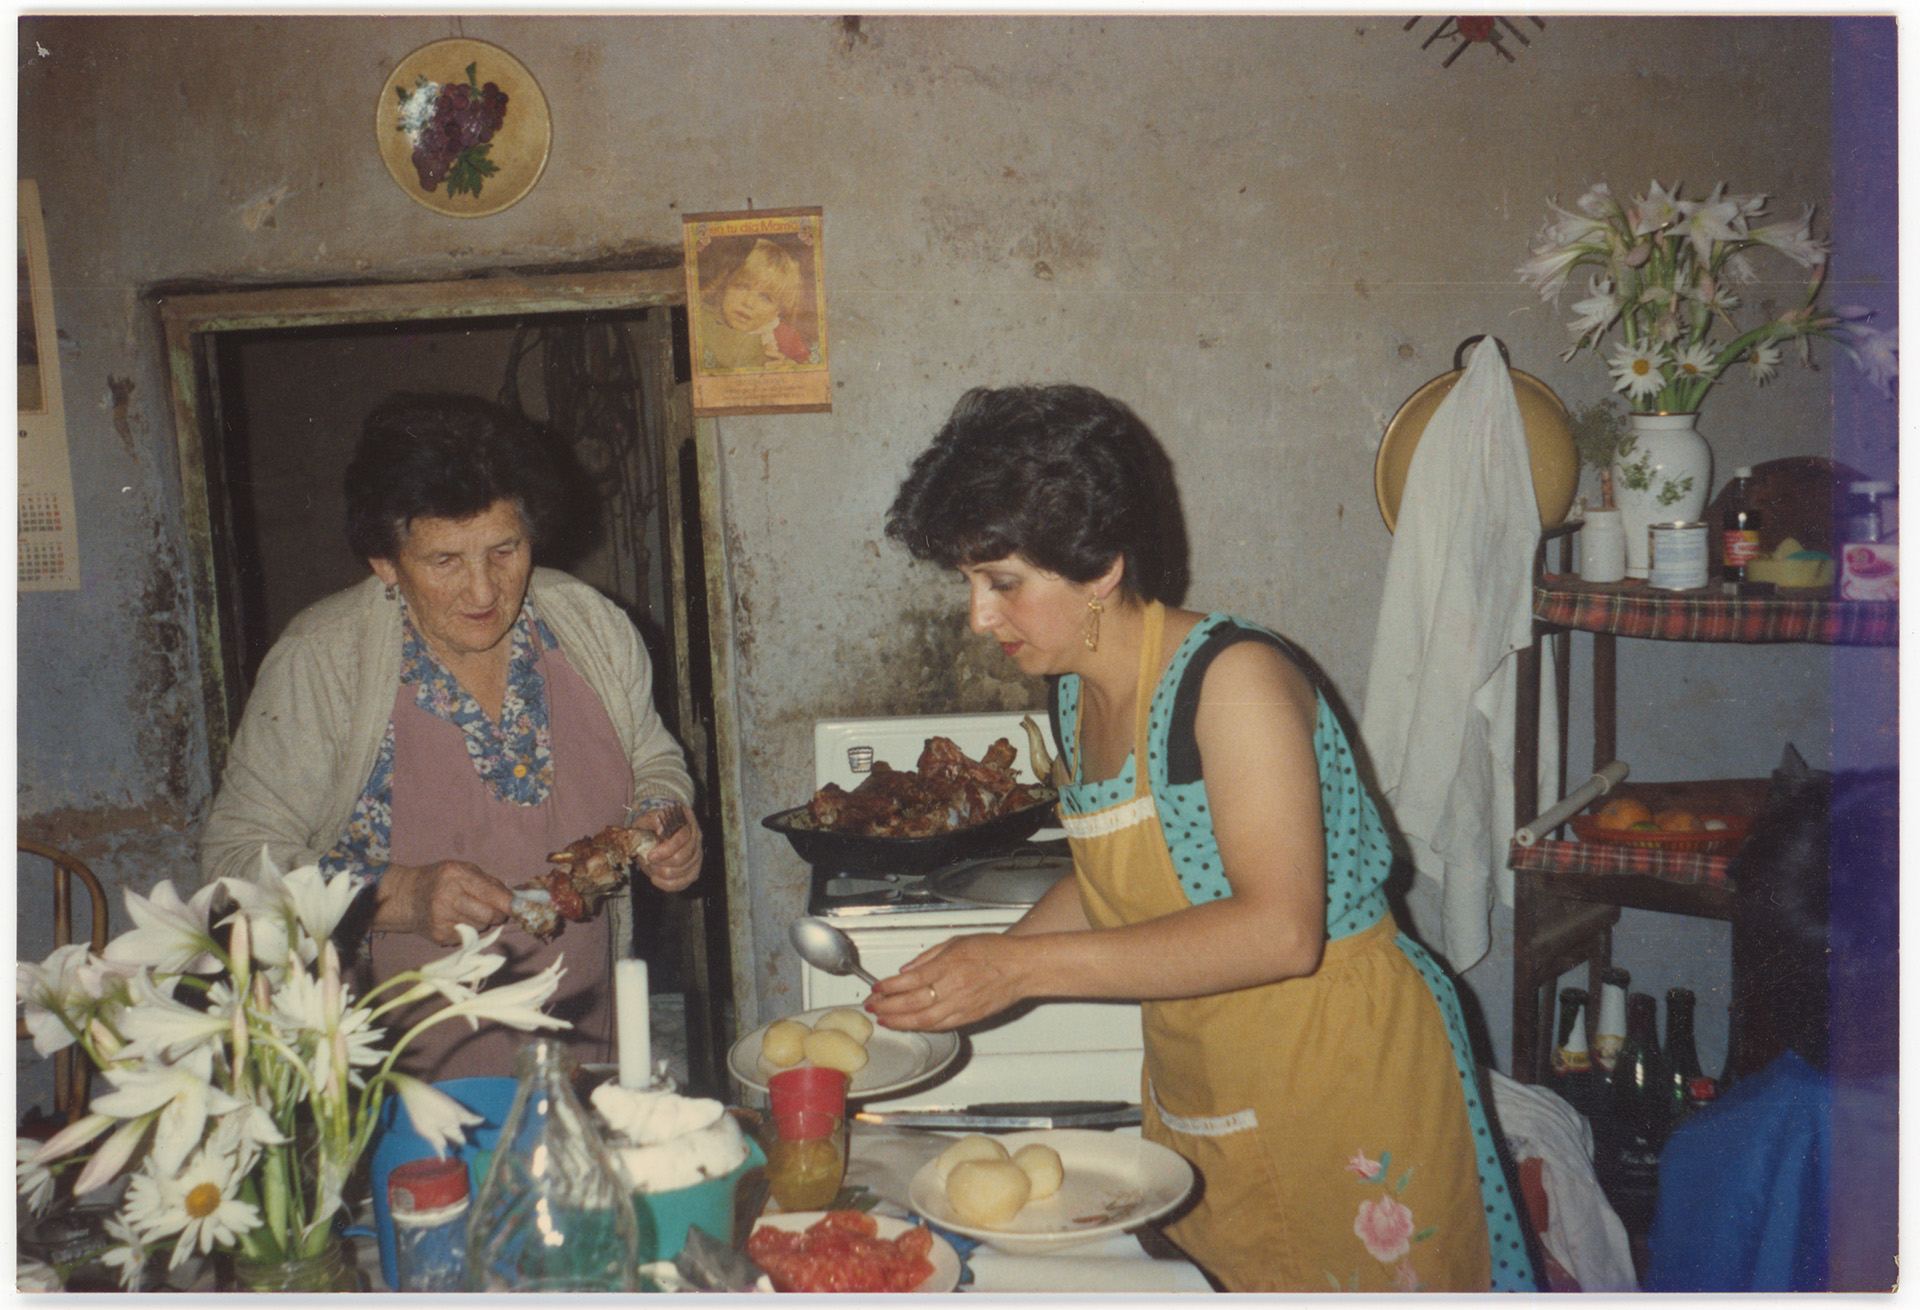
x=1040 y=1051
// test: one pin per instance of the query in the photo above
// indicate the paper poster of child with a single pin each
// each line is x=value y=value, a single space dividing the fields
x=758 y=314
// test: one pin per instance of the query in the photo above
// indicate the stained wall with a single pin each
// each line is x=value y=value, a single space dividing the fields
x=1262 y=232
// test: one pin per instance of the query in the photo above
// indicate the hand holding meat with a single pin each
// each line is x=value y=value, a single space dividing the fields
x=434 y=899
x=661 y=842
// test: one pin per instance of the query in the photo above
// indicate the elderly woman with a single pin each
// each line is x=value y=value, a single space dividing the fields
x=445 y=724
x=1229 y=869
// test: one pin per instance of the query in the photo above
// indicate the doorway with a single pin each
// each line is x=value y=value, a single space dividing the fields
x=280 y=382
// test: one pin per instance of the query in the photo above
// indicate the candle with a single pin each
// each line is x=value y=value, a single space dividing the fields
x=631 y=1025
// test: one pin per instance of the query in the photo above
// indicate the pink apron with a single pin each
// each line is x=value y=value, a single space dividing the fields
x=443 y=810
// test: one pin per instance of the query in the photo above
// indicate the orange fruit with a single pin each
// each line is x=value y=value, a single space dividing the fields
x=1623 y=812
x=1677 y=821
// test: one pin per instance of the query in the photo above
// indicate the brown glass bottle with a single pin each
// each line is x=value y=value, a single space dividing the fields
x=1682 y=1058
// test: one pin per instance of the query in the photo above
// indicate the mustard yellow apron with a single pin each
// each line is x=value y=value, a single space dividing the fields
x=1324 y=1115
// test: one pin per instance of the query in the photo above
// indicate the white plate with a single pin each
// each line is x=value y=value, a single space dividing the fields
x=946 y=1264
x=894 y=1059
x=1113 y=1183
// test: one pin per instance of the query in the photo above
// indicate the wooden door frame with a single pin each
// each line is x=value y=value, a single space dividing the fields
x=187 y=318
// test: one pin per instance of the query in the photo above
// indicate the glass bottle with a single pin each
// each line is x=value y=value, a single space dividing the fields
x=1739 y=528
x=1637 y=1092
x=554 y=1213
x=1864 y=521
x=1682 y=1057
x=1573 y=1074
x=1610 y=1026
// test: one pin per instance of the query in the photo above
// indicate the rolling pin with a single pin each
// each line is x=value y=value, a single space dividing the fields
x=1609 y=777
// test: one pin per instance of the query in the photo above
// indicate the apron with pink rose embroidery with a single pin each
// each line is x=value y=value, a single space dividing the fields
x=1333 y=1120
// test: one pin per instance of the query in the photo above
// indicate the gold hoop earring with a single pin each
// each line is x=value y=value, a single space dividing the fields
x=1093 y=622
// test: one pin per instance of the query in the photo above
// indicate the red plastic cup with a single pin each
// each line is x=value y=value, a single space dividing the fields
x=821 y=1091
x=806 y=1125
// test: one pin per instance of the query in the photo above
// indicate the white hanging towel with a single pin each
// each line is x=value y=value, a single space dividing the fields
x=1439 y=716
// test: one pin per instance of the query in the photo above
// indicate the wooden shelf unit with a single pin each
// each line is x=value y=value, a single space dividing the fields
x=1567 y=894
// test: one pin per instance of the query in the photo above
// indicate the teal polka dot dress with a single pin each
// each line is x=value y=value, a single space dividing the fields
x=1359 y=861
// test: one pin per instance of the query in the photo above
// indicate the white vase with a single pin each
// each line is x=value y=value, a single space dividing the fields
x=1661 y=477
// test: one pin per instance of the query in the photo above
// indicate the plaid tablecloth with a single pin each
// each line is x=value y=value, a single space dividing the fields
x=1603 y=859
x=1633 y=609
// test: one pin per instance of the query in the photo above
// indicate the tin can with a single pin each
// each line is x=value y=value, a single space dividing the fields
x=1678 y=556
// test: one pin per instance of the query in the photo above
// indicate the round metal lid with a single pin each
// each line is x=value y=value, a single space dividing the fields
x=1001 y=882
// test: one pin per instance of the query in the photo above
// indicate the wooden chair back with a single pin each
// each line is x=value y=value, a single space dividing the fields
x=72 y=1071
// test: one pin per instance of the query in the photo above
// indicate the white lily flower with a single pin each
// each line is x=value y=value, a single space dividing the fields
x=155 y=1025
x=170 y=934
x=1876 y=351
x=201 y=1199
x=183 y=1093
x=517 y=1005
x=1600 y=308
x=74 y=1136
x=296 y=911
x=437 y=1117
x=1657 y=210
x=54 y=995
x=1714 y=219
x=112 y=1156
x=456 y=974
x=33 y=1180
x=1794 y=240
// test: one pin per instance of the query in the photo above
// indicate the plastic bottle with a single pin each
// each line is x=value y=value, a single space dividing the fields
x=429 y=1203
x=1739 y=528
x=554 y=1213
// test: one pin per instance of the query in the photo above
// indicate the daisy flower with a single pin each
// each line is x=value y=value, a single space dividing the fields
x=128 y=1254
x=1763 y=361
x=200 y=1201
x=1694 y=363
x=1636 y=370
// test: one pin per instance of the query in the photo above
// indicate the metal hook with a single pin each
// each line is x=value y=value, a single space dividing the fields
x=1460 y=351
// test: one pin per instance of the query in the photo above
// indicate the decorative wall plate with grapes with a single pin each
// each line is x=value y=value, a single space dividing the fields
x=463 y=128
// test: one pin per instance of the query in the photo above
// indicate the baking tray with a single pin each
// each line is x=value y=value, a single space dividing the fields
x=853 y=852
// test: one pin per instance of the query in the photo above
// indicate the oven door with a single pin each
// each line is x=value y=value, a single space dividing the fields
x=1046 y=1051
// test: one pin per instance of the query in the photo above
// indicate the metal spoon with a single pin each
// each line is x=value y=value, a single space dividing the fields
x=828 y=949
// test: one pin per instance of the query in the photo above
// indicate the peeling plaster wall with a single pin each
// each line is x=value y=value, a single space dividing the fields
x=1263 y=232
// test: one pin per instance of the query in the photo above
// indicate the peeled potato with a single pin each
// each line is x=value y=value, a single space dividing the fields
x=852 y=1022
x=832 y=1049
x=988 y=1193
x=784 y=1042
x=1043 y=1168
x=974 y=1146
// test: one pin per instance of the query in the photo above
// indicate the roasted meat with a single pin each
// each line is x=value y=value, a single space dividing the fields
x=946 y=790
x=588 y=871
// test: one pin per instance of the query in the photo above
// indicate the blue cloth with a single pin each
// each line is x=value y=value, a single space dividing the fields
x=1744 y=1186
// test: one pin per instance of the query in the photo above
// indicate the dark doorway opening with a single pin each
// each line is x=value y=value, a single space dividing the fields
x=285 y=408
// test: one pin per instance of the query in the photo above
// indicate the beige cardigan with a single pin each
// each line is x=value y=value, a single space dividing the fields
x=320 y=706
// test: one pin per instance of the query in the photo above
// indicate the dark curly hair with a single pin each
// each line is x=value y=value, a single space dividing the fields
x=1061 y=475
x=447 y=456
